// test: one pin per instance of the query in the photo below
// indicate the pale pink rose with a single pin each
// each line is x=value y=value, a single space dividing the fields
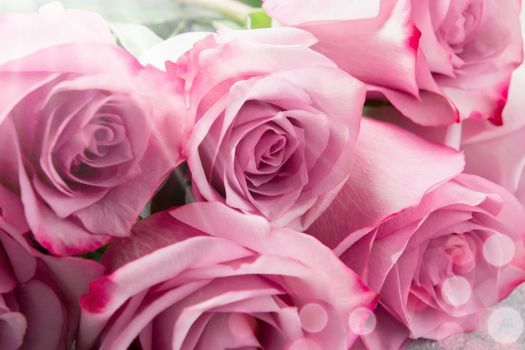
x=38 y=293
x=276 y=122
x=87 y=133
x=205 y=276
x=440 y=265
x=437 y=61
x=380 y=182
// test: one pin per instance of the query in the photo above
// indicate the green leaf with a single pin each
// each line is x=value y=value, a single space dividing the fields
x=146 y=211
x=135 y=38
x=253 y=3
x=96 y=254
x=258 y=19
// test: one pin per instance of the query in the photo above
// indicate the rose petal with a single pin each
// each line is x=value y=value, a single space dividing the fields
x=377 y=188
x=45 y=316
x=376 y=50
x=13 y=327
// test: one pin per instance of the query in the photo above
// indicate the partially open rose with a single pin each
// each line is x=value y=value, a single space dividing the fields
x=275 y=126
x=205 y=276
x=87 y=133
x=439 y=265
x=438 y=61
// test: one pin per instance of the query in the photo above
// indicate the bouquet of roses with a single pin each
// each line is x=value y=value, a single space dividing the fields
x=325 y=175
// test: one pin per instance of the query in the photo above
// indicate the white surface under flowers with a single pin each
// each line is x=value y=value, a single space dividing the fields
x=503 y=328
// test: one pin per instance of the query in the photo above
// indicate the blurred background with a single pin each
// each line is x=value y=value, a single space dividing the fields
x=139 y=24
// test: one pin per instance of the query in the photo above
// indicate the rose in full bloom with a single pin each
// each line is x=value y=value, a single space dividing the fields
x=275 y=126
x=205 y=276
x=440 y=265
x=38 y=293
x=87 y=133
x=232 y=165
x=437 y=61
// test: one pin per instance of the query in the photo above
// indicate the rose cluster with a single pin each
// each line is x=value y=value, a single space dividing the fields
x=350 y=178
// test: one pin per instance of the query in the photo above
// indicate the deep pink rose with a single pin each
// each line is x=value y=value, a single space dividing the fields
x=38 y=293
x=276 y=122
x=205 y=276
x=440 y=265
x=437 y=61
x=87 y=133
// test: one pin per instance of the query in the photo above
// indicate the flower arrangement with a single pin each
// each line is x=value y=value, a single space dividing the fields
x=235 y=174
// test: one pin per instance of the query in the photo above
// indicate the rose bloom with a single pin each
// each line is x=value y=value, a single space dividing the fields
x=87 y=133
x=38 y=293
x=275 y=124
x=205 y=276
x=437 y=61
x=440 y=265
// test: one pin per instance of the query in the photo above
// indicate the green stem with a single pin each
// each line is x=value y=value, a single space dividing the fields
x=231 y=9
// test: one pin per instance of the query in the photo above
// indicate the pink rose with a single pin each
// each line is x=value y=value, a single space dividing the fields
x=436 y=61
x=275 y=126
x=439 y=265
x=38 y=293
x=205 y=276
x=498 y=153
x=87 y=133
